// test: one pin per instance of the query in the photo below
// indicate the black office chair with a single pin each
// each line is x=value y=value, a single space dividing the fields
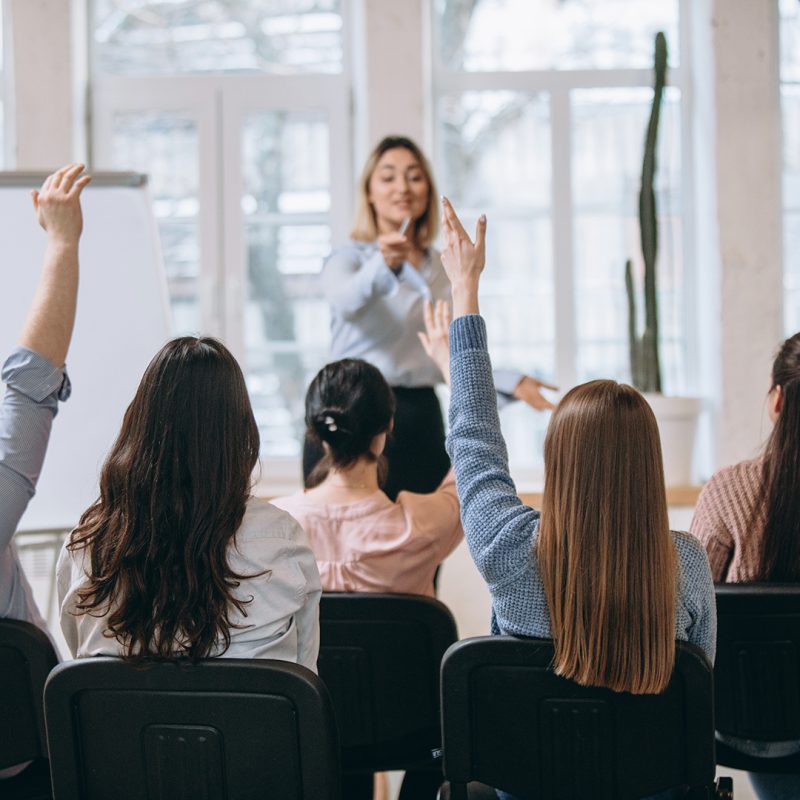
x=509 y=722
x=757 y=671
x=380 y=656
x=26 y=658
x=221 y=728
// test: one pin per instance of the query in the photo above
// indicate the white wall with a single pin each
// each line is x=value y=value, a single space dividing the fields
x=390 y=75
x=42 y=58
x=748 y=148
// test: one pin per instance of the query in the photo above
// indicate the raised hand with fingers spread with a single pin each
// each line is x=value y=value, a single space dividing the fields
x=48 y=328
x=35 y=376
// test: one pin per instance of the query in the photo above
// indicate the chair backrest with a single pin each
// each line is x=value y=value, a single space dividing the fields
x=26 y=658
x=508 y=721
x=757 y=668
x=380 y=656
x=220 y=728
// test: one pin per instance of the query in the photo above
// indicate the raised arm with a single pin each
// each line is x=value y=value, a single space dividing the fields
x=48 y=328
x=34 y=375
x=498 y=527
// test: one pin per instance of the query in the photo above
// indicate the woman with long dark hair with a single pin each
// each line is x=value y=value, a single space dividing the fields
x=748 y=518
x=598 y=569
x=175 y=558
x=377 y=285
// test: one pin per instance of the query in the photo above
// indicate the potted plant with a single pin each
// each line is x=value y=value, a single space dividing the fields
x=677 y=416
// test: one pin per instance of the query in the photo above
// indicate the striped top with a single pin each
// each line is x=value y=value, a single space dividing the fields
x=503 y=533
x=729 y=521
x=33 y=388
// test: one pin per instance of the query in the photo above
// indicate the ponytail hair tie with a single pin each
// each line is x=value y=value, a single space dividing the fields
x=331 y=424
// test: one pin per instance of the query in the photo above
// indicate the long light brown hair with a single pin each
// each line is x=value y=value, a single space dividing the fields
x=365 y=224
x=173 y=493
x=608 y=564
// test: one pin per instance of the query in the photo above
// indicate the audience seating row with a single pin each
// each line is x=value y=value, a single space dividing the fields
x=248 y=729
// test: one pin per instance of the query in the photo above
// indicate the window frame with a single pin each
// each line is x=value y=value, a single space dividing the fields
x=557 y=85
x=790 y=206
x=219 y=105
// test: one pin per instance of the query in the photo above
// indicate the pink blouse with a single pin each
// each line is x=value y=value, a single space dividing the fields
x=376 y=545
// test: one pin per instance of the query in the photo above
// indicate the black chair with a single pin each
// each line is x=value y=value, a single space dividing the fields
x=509 y=722
x=379 y=657
x=26 y=658
x=220 y=728
x=757 y=671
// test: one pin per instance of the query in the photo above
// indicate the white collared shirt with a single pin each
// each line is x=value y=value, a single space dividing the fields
x=280 y=621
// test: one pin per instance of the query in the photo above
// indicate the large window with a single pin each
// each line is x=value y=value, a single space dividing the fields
x=541 y=108
x=790 y=105
x=4 y=160
x=239 y=113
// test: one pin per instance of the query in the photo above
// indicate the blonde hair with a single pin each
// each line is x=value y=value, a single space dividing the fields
x=608 y=564
x=365 y=224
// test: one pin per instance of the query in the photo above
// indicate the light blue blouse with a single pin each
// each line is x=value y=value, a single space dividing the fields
x=376 y=313
x=33 y=388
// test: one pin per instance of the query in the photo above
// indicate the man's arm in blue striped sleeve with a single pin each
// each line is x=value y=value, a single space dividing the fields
x=34 y=372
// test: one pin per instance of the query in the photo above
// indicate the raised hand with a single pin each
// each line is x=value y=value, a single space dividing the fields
x=51 y=318
x=436 y=338
x=462 y=259
x=57 y=204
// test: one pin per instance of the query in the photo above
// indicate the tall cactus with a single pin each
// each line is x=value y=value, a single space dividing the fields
x=645 y=366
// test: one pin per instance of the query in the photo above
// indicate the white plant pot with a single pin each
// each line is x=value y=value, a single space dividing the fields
x=677 y=422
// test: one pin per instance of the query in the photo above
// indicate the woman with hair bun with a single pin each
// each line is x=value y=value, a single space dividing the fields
x=363 y=541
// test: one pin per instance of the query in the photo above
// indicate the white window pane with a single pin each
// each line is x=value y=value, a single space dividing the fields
x=790 y=108
x=791 y=298
x=144 y=37
x=790 y=40
x=286 y=163
x=508 y=35
x=2 y=96
x=496 y=160
x=496 y=149
x=608 y=143
x=285 y=201
x=164 y=146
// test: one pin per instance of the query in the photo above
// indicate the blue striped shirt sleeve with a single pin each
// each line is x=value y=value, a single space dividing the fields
x=33 y=388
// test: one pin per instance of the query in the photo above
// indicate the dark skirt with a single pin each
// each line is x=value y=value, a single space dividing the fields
x=415 y=451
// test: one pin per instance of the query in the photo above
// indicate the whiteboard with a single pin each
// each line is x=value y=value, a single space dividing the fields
x=122 y=320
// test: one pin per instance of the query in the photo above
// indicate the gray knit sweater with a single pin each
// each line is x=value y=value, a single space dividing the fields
x=502 y=531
